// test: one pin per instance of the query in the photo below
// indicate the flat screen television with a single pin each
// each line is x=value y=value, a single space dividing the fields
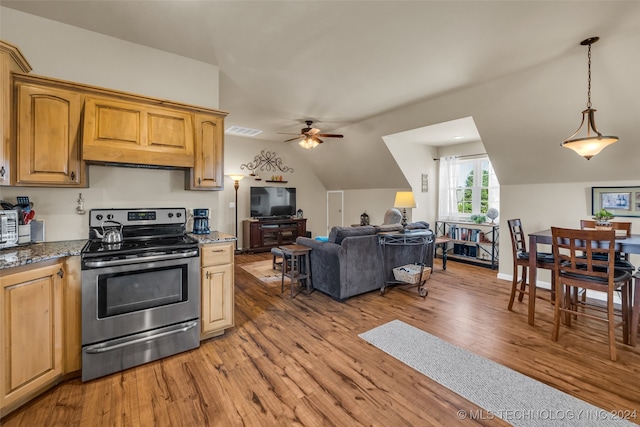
x=273 y=202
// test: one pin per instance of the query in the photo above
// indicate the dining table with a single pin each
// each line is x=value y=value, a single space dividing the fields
x=627 y=244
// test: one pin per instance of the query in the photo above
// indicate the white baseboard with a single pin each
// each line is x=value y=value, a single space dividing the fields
x=546 y=285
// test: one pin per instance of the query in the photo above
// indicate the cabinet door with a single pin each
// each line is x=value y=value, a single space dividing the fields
x=207 y=173
x=129 y=132
x=11 y=60
x=31 y=332
x=217 y=299
x=48 y=143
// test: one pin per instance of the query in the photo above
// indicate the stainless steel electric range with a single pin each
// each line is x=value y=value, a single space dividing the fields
x=140 y=289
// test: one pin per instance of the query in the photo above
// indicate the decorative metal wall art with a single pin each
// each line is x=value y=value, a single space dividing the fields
x=266 y=161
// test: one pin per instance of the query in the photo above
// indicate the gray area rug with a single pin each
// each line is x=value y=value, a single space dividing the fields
x=500 y=391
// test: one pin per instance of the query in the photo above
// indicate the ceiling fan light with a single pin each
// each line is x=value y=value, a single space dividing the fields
x=593 y=142
x=308 y=143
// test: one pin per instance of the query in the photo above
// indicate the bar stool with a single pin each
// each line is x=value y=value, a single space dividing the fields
x=276 y=263
x=297 y=267
x=635 y=309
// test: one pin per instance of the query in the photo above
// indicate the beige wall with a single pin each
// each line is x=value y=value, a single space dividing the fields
x=545 y=205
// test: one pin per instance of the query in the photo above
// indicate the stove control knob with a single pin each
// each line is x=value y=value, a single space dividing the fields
x=170 y=215
x=178 y=214
x=99 y=217
x=109 y=216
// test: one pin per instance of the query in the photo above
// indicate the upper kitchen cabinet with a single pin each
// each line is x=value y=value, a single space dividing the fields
x=11 y=60
x=136 y=133
x=207 y=173
x=48 y=150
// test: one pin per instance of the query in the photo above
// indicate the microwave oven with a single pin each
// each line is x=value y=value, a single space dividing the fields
x=8 y=228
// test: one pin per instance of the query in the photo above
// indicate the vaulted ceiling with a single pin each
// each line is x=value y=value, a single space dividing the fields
x=371 y=69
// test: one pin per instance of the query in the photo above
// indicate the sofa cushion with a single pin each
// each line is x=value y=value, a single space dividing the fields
x=338 y=234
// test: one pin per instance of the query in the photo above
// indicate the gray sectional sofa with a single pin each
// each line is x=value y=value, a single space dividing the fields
x=350 y=263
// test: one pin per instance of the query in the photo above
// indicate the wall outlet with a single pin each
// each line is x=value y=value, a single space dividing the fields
x=232 y=205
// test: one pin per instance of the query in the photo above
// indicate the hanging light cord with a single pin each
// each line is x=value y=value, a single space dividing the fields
x=589 y=79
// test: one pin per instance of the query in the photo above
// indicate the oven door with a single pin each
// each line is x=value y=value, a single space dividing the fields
x=121 y=300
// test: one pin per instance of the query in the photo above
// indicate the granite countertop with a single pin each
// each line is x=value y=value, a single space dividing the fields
x=213 y=237
x=38 y=252
x=44 y=251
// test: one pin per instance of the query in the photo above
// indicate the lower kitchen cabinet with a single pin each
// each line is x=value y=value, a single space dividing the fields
x=217 y=288
x=39 y=330
x=32 y=333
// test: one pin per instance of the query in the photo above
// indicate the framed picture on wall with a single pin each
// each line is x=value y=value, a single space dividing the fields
x=620 y=201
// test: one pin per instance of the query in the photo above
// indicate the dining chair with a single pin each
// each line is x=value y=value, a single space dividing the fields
x=622 y=259
x=519 y=283
x=586 y=259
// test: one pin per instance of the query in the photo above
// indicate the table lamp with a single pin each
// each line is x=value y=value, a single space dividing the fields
x=404 y=200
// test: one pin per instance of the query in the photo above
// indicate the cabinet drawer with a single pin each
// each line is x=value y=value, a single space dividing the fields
x=216 y=254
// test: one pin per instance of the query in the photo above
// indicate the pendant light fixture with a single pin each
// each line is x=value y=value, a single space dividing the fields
x=589 y=144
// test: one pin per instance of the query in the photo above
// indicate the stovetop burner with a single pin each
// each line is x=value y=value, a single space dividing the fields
x=143 y=231
x=97 y=248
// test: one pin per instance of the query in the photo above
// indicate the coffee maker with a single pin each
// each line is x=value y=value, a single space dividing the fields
x=201 y=221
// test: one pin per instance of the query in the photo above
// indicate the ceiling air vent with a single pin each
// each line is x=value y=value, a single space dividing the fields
x=237 y=130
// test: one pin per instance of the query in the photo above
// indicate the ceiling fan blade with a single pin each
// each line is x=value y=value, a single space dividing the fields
x=313 y=131
x=293 y=139
x=330 y=135
x=318 y=140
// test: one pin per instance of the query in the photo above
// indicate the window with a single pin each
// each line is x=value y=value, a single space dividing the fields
x=468 y=186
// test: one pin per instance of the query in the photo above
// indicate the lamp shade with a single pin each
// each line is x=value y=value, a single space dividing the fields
x=404 y=199
x=235 y=176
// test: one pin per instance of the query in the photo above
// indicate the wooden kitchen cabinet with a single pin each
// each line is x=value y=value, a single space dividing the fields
x=72 y=316
x=48 y=139
x=11 y=60
x=217 y=297
x=31 y=335
x=208 y=170
x=137 y=133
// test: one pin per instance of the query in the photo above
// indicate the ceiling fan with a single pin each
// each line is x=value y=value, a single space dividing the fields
x=311 y=136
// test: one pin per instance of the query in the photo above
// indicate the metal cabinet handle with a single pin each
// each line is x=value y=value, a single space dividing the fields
x=73 y=176
x=2 y=171
x=61 y=273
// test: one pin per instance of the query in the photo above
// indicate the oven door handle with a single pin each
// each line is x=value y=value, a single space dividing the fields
x=103 y=348
x=128 y=261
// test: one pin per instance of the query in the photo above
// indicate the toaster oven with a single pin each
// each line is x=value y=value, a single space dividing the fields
x=8 y=228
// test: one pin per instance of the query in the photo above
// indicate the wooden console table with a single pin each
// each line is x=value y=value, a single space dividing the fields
x=262 y=235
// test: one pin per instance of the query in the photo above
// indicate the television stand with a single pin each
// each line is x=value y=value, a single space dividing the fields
x=259 y=235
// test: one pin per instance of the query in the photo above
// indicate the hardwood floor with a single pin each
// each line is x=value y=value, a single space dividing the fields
x=300 y=362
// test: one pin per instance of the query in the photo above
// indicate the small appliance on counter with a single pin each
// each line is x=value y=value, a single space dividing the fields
x=201 y=221
x=8 y=228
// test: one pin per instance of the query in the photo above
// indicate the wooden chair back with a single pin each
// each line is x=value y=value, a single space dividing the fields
x=518 y=240
x=583 y=255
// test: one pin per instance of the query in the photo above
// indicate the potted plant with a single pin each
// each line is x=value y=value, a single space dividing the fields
x=603 y=219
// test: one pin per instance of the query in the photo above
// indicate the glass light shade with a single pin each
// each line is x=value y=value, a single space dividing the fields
x=235 y=176
x=593 y=142
x=308 y=143
x=404 y=199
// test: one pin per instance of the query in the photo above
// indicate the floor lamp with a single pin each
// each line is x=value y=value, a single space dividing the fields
x=236 y=184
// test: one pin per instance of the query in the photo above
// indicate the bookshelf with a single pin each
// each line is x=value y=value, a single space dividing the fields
x=472 y=243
